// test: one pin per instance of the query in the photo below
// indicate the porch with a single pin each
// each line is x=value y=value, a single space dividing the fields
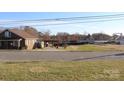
x=10 y=44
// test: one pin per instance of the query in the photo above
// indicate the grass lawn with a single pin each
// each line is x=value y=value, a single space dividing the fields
x=91 y=47
x=99 y=70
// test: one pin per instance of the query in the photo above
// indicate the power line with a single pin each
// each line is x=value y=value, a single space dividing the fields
x=67 y=19
x=78 y=22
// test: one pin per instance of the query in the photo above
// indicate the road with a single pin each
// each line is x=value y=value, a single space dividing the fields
x=57 y=55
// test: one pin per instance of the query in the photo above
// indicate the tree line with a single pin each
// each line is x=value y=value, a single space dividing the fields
x=64 y=36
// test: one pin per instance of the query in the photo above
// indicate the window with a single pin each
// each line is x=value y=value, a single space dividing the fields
x=7 y=34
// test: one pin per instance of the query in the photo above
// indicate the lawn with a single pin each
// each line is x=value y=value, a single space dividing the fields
x=97 y=70
x=91 y=47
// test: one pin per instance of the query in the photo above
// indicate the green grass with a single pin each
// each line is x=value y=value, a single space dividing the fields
x=91 y=47
x=98 y=70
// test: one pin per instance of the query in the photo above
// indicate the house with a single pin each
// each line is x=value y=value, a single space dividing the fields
x=120 y=40
x=17 y=39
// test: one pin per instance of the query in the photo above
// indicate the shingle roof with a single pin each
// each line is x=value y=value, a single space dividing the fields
x=21 y=33
x=1 y=31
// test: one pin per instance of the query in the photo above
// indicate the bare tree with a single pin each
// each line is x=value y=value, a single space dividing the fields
x=46 y=35
x=62 y=36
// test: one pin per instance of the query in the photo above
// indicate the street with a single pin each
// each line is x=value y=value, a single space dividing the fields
x=13 y=55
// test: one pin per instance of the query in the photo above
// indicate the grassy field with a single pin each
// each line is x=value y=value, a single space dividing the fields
x=91 y=47
x=99 y=70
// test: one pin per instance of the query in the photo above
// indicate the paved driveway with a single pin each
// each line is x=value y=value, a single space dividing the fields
x=57 y=55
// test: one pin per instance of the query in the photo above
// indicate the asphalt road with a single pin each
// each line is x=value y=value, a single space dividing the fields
x=57 y=55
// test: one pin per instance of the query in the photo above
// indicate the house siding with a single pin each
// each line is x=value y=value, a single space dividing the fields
x=30 y=43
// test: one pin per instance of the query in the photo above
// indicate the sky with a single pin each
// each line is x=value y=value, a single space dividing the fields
x=108 y=27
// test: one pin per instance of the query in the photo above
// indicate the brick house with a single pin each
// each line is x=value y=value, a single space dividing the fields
x=17 y=39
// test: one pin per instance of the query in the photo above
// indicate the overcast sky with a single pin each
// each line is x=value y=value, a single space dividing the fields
x=108 y=27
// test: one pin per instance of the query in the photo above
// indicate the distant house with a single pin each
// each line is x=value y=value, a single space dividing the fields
x=120 y=40
x=17 y=39
x=101 y=41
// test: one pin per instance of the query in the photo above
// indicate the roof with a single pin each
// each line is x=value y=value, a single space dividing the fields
x=1 y=31
x=21 y=33
x=120 y=38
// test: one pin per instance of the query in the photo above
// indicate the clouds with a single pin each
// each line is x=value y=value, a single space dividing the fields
x=30 y=22
x=3 y=21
